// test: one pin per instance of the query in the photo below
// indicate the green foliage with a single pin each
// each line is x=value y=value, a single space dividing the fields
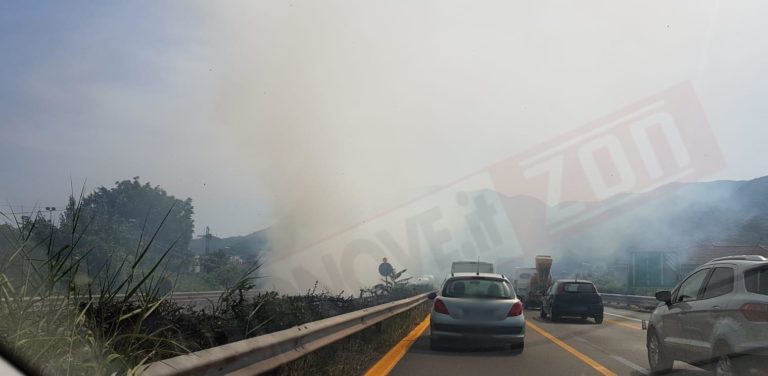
x=119 y=320
x=63 y=314
x=213 y=261
x=394 y=282
x=218 y=272
x=64 y=319
x=243 y=246
x=113 y=220
x=193 y=282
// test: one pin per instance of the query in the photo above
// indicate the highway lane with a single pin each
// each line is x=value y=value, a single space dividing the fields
x=537 y=359
x=618 y=345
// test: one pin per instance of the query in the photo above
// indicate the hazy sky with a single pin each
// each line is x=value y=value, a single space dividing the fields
x=273 y=109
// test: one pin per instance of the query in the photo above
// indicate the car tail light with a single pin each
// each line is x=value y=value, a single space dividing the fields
x=516 y=310
x=561 y=288
x=755 y=311
x=440 y=307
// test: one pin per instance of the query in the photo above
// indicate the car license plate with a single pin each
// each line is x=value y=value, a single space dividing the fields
x=478 y=314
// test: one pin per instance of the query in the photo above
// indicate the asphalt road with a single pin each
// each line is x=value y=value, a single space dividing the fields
x=615 y=347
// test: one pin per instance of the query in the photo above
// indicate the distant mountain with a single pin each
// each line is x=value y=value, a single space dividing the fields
x=673 y=218
x=245 y=245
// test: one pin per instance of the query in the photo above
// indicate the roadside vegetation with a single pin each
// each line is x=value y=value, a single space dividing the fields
x=78 y=299
x=358 y=352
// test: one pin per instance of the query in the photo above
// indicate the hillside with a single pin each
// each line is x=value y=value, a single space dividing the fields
x=250 y=244
x=672 y=218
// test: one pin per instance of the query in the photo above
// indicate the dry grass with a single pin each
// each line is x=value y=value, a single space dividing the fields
x=118 y=320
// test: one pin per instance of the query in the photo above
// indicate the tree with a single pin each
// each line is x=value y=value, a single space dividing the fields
x=213 y=261
x=117 y=224
x=217 y=270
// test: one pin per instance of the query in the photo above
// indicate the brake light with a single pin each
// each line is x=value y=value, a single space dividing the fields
x=755 y=312
x=440 y=307
x=561 y=288
x=516 y=310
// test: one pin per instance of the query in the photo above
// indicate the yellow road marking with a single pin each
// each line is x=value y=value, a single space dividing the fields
x=623 y=323
x=579 y=355
x=390 y=359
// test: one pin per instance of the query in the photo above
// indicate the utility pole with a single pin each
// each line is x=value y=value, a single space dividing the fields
x=207 y=236
x=50 y=210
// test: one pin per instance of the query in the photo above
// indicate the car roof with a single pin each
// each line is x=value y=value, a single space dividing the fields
x=741 y=261
x=573 y=280
x=487 y=275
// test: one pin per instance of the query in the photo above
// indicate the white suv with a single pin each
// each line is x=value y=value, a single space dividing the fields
x=717 y=315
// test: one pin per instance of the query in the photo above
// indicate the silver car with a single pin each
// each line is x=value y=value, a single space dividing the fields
x=477 y=309
x=717 y=316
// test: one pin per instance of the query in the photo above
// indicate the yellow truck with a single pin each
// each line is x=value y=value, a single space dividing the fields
x=540 y=281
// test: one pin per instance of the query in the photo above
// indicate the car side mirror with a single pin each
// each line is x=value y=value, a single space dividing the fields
x=432 y=295
x=664 y=296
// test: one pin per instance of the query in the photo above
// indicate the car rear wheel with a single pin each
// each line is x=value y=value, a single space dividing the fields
x=553 y=316
x=658 y=359
x=599 y=319
x=724 y=362
x=724 y=366
x=518 y=348
x=542 y=313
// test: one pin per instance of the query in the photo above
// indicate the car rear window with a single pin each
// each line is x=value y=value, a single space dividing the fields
x=756 y=280
x=578 y=287
x=478 y=287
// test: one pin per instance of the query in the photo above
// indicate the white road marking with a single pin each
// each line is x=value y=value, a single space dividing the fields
x=623 y=317
x=631 y=365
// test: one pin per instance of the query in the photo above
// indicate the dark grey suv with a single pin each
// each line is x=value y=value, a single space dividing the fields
x=718 y=315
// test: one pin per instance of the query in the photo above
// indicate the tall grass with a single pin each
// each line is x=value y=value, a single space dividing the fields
x=63 y=320
x=64 y=316
x=38 y=286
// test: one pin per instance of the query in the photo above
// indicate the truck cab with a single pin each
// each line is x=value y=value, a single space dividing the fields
x=521 y=280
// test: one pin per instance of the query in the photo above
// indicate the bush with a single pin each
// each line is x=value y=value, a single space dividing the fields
x=57 y=317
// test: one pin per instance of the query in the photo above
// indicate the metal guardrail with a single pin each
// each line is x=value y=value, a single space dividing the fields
x=256 y=355
x=205 y=296
x=176 y=297
x=643 y=302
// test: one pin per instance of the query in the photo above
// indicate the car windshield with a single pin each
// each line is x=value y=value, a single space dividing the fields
x=478 y=288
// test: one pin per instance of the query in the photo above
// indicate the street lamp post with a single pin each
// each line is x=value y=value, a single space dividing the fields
x=50 y=210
